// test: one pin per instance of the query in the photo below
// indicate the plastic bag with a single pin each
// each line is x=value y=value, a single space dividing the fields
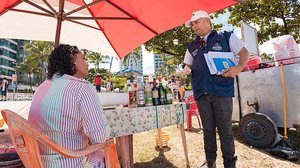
x=286 y=49
x=284 y=149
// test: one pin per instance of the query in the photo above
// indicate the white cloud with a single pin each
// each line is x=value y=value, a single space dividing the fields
x=148 y=62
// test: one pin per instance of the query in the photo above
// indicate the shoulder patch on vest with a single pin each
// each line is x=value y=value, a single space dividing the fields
x=194 y=52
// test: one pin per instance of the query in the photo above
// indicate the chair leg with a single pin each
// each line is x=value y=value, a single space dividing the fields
x=111 y=156
x=199 y=121
x=188 y=120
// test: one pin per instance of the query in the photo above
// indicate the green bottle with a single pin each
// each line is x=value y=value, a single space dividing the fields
x=161 y=93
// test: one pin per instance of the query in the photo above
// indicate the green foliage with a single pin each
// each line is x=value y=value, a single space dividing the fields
x=30 y=66
x=188 y=87
x=35 y=63
x=172 y=42
x=96 y=58
x=265 y=14
x=118 y=82
x=93 y=72
x=39 y=50
x=268 y=57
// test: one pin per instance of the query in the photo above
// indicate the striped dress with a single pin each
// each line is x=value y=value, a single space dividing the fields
x=68 y=110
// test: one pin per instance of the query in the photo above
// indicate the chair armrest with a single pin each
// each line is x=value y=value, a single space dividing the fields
x=79 y=153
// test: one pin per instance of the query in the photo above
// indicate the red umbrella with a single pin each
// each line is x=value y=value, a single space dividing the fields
x=111 y=27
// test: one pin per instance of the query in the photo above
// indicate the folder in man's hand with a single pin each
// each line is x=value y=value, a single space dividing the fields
x=223 y=63
x=217 y=62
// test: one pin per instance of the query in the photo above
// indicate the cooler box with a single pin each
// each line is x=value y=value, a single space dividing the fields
x=253 y=63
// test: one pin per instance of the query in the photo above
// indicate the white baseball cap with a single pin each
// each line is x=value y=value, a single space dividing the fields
x=195 y=16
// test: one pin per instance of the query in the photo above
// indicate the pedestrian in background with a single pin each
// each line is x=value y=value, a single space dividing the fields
x=4 y=89
x=213 y=93
x=108 y=85
x=98 y=82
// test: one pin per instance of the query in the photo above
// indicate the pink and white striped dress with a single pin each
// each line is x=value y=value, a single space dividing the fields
x=68 y=110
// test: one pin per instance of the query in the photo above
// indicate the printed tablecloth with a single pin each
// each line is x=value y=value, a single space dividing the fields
x=127 y=121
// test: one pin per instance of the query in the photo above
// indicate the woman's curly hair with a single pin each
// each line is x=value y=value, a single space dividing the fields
x=62 y=60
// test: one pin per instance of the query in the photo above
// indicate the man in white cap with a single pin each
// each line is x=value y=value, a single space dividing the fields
x=213 y=93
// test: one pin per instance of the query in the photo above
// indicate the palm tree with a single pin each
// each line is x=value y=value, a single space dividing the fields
x=96 y=59
x=30 y=66
x=110 y=65
x=135 y=55
x=39 y=52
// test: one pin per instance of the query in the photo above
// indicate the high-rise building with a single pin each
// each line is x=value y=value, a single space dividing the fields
x=158 y=62
x=11 y=53
x=133 y=62
x=8 y=57
x=162 y=66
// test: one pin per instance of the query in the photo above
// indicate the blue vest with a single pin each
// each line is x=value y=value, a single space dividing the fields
x=202 y=81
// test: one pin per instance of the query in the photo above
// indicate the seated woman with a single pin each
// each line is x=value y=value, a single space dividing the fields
x=68 y=110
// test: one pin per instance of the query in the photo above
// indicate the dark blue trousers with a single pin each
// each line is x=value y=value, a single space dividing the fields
x=216 y=112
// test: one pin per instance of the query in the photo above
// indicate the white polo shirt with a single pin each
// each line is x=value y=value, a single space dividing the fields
x=235 y=45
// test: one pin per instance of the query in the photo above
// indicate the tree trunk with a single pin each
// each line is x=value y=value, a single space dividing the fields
x=286 y=31
x=30 y=83
x=110 y=64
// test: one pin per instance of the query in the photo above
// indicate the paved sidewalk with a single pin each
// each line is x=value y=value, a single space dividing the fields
x=21 y=107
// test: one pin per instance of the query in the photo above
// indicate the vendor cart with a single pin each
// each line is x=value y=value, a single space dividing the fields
x=266 y=99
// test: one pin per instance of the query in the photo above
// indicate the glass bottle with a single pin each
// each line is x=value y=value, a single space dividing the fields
x=132 y=96
x=169 y=95
x=140 y=95
x=161 y=93
x=148 y=95
x=155 y=96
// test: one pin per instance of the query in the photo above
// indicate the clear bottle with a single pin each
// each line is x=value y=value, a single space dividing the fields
x=140 y=95
x=148 y=95
x=132 y=96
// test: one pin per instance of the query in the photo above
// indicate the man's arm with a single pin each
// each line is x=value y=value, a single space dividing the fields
x=233 y=71
x=189 y=65
x=188 y=61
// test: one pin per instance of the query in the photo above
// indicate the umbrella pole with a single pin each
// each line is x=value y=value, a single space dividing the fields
x=284 y=101
x=59 y=17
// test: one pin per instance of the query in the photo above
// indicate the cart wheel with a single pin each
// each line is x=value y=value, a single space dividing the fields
x=258 y=130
